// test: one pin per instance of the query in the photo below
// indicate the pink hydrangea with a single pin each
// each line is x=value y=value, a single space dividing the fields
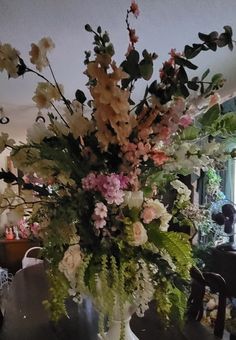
x=89 y=182
x=110 y=186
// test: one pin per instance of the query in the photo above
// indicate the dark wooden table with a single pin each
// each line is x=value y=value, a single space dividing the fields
x=26 y=318
x=12 y=252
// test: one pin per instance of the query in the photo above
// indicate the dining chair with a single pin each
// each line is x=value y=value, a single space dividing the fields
x=1 y=318
x=196 y=303
x=28 y=261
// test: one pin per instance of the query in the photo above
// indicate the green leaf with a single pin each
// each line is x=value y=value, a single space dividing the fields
x=133 y=57
x=190 y=133
x=146 y=69
x=228 y=123
x=193 y=85
x=210 y=116
x=176 y=244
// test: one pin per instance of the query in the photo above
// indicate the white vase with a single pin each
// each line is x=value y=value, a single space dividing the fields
x=114 y=331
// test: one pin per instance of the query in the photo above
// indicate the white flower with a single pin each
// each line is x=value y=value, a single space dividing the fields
x=71 y=262
x=134 y=199
x=139 y=234
x=165 y=219
x=182 y=189
x=38 y=132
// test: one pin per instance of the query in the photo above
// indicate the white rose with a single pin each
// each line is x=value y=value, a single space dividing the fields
x=139 y=234
x=71 y=262
x=134 y=199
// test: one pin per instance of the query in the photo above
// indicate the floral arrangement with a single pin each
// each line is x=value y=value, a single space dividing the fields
x=109 y=171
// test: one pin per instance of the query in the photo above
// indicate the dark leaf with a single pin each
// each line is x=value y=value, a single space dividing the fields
x=7 y=176
x=182 y=75
x=133 y=57
x=193 y=85
x=146 y=69
x=184 y=62
x=191 y=52
x=80 y=96
x=125 y=82
x=131 y=102
x=202 y=89
x=212 y=46
x=21 y=67
x=184 y=90
x=205 y=74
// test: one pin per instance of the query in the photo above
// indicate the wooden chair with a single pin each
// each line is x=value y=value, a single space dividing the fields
x=195 y=303
x=1 y=318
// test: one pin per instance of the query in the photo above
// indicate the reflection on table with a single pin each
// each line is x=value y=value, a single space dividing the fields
x=26 y=318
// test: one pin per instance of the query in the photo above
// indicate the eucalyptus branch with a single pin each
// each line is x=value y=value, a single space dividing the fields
x=58 y=112
x=143 y=100
x=59 y=90
x=39 y=75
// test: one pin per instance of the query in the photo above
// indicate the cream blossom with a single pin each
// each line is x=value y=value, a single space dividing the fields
x=37 y=132
x=134 y=199
x=71 y=262
x=45 y=94
x=38 y=53
x=79 y=125
x=139 y=234
x=5 y=141
x=9 y=60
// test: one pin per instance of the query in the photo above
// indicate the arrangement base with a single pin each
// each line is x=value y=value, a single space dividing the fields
x=114 y=332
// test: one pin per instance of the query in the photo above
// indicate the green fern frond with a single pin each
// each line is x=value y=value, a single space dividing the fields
x=177 y=245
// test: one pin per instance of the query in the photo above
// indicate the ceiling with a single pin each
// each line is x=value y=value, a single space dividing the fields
x=162 y=25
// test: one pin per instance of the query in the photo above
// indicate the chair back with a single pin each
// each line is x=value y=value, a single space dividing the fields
x=28 y=261
x=195 y=302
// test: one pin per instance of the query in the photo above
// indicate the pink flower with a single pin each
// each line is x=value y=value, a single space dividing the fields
x=148 y=214
x=139 y=234
x=134 y=9
x=100 y=210
x=89 y=182
x=185 y=120
x=132 y=36
x=99 y=223
x=159 y=157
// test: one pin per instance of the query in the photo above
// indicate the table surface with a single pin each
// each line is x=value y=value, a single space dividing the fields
x=26 y=319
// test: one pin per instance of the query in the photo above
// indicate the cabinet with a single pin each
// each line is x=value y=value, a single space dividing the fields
x=12 y=252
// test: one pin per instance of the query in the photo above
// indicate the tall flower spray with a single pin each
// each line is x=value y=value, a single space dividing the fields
x=107 y=181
